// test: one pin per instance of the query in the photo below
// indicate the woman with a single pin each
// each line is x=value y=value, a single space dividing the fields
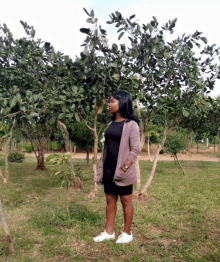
x=117 y=164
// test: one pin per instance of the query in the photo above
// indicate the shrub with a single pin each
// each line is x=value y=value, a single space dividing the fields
x=16 y=157
x=28 y=148
x=54 y=145
x=175 y=142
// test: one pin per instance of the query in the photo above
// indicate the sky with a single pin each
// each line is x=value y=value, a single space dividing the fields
x=58 y=22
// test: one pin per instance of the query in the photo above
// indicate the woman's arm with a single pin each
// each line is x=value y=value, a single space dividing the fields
x=135 y=146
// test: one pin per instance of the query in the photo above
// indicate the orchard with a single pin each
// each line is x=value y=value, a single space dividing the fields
x=50 y=102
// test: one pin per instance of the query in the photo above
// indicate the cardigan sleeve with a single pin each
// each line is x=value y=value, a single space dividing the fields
x=134 y=138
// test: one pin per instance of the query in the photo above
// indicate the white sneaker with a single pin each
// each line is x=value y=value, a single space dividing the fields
x=104 y=236
x=124 y=238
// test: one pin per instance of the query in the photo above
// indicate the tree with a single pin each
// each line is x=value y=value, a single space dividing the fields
x=101 y=72
x=176 y=142
x=29 y=82
x=169 y=74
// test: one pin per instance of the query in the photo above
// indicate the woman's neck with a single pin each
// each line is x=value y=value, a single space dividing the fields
x=119 y=119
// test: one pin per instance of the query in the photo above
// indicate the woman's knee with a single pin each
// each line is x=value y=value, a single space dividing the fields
x=126 y=200
x=111 y=200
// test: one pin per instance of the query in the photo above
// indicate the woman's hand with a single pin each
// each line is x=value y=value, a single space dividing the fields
x=122 y=171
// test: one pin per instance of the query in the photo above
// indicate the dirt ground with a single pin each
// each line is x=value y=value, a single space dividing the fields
x=203 y=155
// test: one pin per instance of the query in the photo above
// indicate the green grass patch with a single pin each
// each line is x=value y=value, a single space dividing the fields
x=179 y=220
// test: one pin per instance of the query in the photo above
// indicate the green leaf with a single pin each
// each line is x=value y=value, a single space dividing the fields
x=5 y=111
x=86 y=11
x=23 y=109
x=109 y=22
x=155 y=19
x=103 y=31
x=52 y=120
x=28 y=93
x=112 y=65
x=85 y=30
x=152 y=23
x=91 y=46
x=92 y=13
x=77 y=117
x=70 y=115
x=33 y=114
x=190 y=44
x=13 y=101
x=61 y=116
x=185 y=113
x=120 y=36
x=63 y=98
x=204 y=39
x=90 y=20
x=119 y=30
x=131 y=17
x=42 y=64
x=86 y=70
x=118 y=14
x=59 y=102
x=74 y=88
x=115 y=76
x=166 y=55
x=86 y=51
x=18 y=97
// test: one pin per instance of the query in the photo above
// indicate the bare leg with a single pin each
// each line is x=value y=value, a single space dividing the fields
x=128 y=212
x=111 y=209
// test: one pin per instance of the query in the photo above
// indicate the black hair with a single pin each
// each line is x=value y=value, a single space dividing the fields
x=125 y=105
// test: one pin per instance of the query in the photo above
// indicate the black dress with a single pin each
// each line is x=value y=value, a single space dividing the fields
x=112 y=143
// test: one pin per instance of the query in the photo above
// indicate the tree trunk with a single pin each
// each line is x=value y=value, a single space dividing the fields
x=94 y=193
x=7 y=145
x=146 y=186
x=6 y=231
x=142 y=142
x=87 y=155
x=175 y=156
x=137 y=165
x=74 y=149
x=65 y=134
x=189 y=144
x=148 y=147
x=197 y=147
x=40 y=158
x=214 y=146
x=2 y=176
x=138 y=183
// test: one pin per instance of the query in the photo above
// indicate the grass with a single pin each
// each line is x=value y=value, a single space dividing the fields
x=179 y=220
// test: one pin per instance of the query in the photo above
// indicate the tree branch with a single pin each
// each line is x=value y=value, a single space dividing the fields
x=13 y=114
x=84 y=121
x=168 y=80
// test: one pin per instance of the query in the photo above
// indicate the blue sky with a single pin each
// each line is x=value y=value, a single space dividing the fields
x=59 y=21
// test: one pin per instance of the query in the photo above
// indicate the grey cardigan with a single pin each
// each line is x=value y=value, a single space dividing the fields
x=129 y=149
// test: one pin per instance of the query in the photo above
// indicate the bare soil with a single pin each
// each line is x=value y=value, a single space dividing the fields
x=206 y=154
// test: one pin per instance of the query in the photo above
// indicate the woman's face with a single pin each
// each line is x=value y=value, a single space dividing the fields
x=113 y=105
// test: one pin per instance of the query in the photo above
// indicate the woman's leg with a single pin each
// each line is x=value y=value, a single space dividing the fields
x=110 y=212
x=128 y=212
